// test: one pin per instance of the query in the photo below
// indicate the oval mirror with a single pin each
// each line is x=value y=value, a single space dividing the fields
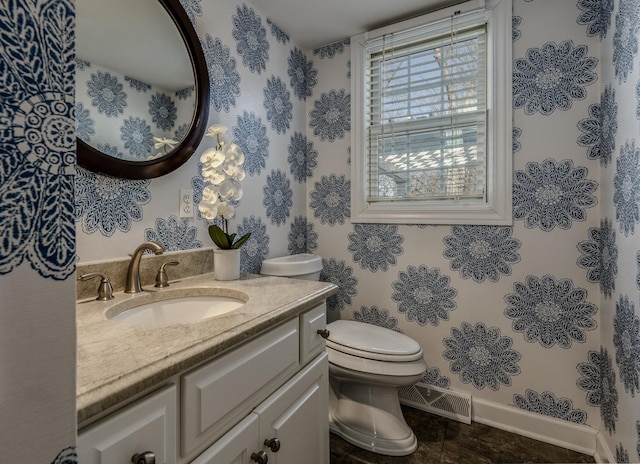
x=142 y=87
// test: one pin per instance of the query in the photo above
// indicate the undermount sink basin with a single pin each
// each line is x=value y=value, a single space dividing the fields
x=171 y=310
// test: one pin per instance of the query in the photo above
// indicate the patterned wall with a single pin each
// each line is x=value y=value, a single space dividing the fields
x=538 y=316
x=37 y=244
x=128 y=112
x=612 y=134
x=259 y=91
x=524 y=315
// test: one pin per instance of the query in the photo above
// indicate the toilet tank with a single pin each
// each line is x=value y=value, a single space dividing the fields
x=301 y=266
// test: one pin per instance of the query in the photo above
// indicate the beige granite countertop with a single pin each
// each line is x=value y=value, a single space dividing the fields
x=117 y=361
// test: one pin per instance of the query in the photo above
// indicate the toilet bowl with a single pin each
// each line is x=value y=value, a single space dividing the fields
x=367 y=365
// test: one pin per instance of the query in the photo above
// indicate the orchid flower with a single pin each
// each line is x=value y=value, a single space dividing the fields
x=163 y=142
x=222 y=169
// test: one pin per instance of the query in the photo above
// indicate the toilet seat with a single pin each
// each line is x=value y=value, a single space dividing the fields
x=373 y=350
x=376 y=372
x=371 y=342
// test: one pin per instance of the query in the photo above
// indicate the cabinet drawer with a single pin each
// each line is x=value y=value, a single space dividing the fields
x=312 y=344
x=218 y=395
x=148 y=425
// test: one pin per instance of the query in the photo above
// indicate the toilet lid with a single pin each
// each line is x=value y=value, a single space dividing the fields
x=371 y=341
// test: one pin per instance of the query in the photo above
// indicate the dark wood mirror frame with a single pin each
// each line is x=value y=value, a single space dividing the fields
x=96 y=161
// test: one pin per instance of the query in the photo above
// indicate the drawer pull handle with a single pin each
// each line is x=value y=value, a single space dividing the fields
x=146 y=457
x=273 y=444
x=260 y=457
x=324 y=333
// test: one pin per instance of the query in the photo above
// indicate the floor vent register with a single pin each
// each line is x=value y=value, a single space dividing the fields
x=440 y=401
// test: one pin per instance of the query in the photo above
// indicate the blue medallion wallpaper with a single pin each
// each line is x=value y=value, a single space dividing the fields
x=37 y=232
x=129 y=112
x=540 y=316
x=540 y=319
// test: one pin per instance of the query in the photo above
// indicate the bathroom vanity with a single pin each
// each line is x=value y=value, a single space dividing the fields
x=250 y=385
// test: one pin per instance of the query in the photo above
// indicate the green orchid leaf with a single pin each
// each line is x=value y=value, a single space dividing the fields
x=241 y=241
x=219 y=237
x=226 y=241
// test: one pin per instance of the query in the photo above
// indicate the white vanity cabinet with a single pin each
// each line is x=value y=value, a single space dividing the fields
x=219 y=394
x=265 y=400
x=146 y=427
x=290 y=427
x=296 y=418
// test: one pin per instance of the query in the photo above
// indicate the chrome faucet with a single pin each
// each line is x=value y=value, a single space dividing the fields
x=132 y=285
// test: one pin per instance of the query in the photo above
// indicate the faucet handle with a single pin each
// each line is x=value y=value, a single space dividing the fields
x=162 y=279
x=105 y=290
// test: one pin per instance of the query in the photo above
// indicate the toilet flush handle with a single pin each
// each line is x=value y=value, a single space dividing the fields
x=324 y=333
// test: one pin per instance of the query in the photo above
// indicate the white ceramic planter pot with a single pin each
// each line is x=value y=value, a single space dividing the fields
x=226 y=264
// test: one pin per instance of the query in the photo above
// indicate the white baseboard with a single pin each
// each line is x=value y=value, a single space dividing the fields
x=603 y=453
x=576 y=437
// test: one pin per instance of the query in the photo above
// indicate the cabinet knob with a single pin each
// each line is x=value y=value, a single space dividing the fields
x=324 y=333
x=260 y=457
x=273 y=444
x=147 y=457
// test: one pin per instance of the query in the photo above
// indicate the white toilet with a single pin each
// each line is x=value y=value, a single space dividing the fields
x=367 y=364
x=301 y=266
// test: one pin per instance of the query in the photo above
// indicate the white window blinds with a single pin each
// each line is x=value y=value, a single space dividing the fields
x=425 y=121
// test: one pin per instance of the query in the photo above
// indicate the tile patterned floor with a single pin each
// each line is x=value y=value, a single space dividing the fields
x=443 y=441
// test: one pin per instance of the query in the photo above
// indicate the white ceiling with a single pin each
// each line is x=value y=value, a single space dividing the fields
x=161 y=58
x=314 y=23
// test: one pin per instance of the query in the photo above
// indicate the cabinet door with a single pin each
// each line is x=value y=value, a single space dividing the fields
x=147 y=425
x=298 y=416
x=221 y=393
x=236 y=446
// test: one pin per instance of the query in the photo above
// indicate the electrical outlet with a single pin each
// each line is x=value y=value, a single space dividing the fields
x=186 y=203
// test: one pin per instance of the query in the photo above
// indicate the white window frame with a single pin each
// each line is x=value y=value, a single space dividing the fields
x=496 y=207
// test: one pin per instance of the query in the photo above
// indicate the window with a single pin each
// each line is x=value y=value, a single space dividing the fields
x=431 y=141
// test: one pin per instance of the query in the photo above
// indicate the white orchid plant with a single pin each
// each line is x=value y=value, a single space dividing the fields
x=163 y=143
x=222 y=169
